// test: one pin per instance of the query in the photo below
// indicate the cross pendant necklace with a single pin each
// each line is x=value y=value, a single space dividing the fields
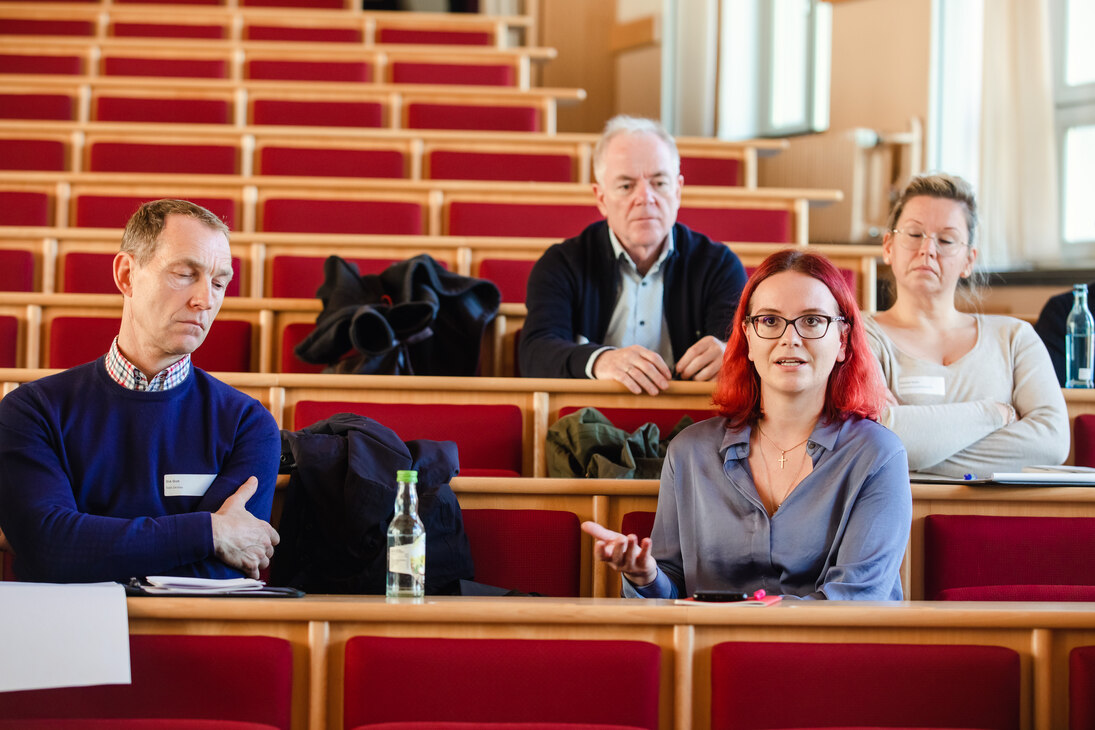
x=782 y=451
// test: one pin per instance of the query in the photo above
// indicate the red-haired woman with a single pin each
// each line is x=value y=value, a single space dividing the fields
x=795 y=489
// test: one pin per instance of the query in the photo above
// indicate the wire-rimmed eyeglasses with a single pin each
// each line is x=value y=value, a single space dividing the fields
x=946 y=244
x=808 y=326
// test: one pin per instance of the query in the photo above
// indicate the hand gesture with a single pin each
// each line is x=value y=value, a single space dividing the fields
x=240 y=539
x=703 y=360
x=638 y=368
x=625 y=553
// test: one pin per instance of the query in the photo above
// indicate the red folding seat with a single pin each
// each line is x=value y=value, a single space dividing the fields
x=60 y=107
x=423 y=115
x=489 y=437
x=305 y=34
x=739 y=224
x=25 y=63
x=418 y=37
x=149 y=109
x=509 y=275
x=408 y=72
x=1083 y=440
x=480 y=682
x=519 y=167
x=639 y=523
x=20 y=208
x=330 y=4
x=298 y=277
x=206 y=159
x=292 y=215
x=538 y=220
x=108 y=211
x=863 y=685
x=16 y=269
x=175 y=2
x=291 y=336
x=990 y=558
x=211 y=681
x=718 y=171
x=196 y=68
x=505 y=557
x=88 y=272
x=276 y=70
x=33 y=154
x=33 y=26
x=9 y=342
x=227 y=348
x=1081 y=688
x=331 y=162
x=317 y=113
x=121 y=29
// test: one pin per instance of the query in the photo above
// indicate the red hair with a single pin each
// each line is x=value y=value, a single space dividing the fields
x=855 y=385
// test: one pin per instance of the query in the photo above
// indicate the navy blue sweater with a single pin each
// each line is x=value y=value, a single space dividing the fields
x=82 y=467
x=573 y=287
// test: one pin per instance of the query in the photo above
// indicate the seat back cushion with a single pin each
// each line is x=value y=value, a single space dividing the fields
x=504 y=556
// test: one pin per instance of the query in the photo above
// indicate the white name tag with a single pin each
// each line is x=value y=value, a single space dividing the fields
x=921 y=385
x=186 y=485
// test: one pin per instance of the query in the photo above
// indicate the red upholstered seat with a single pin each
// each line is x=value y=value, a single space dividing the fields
x=977 y=557
x=434 y=37
x=499 y=680
x=487 y=436
x=510 y=275
x=1083 y=440
x=9 y=342
x=23 y=63
x=407 y=72
x=317 y=113
x=863 y=685
x=719 y=171
x=305 y=34
x=638 y=523
x=34 y=26
x=149 y=109
x=1081 y=688
x=120 y=29
x=460 y=165
x=360 y=71
x=245 y=679
x=116 y=723
x=291 y=336
x=206 y=159
x=529 y=550
x=630 y=419
x=739 y=224
x=467 y=218
x=457 y=725
x=76 y=340
x=33 y=154
x=331 y=162
x=341 y=216
x=16 y=268
x=298 y=277
x=468 y=116
x=175 y=2
x=227 y=347
x=330 y=4
x=19 y=208
x=199 y=68
x=88 y=272
x=106 y=211
x=58 y=107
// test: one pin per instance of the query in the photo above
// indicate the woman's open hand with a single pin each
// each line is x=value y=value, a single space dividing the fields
x=626 y=553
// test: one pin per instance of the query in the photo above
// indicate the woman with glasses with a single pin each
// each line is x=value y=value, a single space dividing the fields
x=969 y=393
x=793 y=489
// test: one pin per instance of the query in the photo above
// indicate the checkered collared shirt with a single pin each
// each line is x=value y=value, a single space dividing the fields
x=128 y=375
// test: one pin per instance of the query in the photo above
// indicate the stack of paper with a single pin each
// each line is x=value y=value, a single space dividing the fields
x=183 y=586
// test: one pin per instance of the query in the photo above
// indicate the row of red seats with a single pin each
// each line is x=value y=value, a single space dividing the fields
x=194 y=682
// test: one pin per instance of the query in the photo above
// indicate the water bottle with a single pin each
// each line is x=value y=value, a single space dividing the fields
x=1078 y=341
x=406 y=542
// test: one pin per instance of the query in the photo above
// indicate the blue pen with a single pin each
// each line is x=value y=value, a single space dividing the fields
x=968 y=477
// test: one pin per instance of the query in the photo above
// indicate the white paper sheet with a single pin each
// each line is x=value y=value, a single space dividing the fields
x=63 y=635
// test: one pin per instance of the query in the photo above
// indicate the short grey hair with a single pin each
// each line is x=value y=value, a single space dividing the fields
x=943 y=186
x=142 y=232
x=623 y=124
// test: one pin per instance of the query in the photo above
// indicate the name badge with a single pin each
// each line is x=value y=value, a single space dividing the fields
x=187 y=485
x=921 y=385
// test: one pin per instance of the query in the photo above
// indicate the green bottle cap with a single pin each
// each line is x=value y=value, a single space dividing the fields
x=407 y=475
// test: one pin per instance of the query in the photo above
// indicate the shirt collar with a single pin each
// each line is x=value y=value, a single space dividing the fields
x=735 y=442
x=618 y=250
x=129 y=376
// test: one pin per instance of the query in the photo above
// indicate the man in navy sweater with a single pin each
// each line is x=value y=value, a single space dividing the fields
x=637 y=297
x=139 y=463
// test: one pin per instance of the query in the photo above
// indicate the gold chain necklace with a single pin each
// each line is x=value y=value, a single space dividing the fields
x=770 y=485
x=782 y=451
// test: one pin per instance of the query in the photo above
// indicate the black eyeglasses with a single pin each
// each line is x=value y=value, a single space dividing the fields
x=808 y=326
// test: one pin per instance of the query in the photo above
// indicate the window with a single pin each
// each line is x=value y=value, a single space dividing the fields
x=1074 y=68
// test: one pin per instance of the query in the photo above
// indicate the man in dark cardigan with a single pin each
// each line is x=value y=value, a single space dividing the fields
x=637 y=298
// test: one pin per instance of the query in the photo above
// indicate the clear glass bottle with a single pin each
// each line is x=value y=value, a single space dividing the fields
x=406 y=542
x=1079 y=332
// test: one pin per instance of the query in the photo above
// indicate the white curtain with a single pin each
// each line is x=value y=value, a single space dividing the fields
x=1018 y=194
